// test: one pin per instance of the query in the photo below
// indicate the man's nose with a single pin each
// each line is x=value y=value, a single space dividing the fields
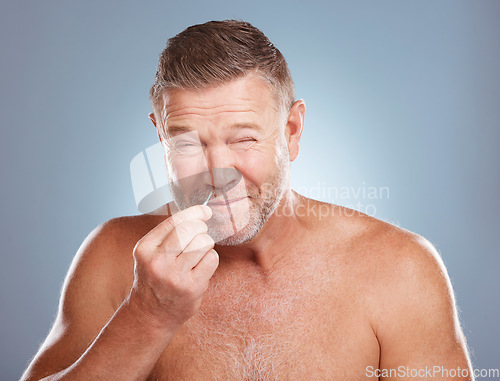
x=221 y=165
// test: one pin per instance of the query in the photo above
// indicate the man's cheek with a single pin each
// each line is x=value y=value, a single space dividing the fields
x=182 y=167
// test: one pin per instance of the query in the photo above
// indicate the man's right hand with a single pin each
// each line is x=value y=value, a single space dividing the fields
x=129 y=317
x=173 y=265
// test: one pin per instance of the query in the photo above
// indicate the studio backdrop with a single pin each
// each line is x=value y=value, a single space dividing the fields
x=402 y=123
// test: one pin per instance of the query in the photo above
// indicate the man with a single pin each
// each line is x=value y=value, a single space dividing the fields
x=255 y=285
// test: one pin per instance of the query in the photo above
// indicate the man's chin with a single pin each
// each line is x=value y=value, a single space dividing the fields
x=223 y=226
x=234 y=240
x=226 y=235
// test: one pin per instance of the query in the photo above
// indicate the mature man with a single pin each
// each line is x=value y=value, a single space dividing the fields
x=256 y=284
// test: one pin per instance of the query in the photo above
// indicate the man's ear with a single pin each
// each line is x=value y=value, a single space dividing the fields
x=152 y=118
x=294 y=127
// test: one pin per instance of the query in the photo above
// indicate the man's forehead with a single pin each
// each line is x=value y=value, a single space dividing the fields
x=249 y=93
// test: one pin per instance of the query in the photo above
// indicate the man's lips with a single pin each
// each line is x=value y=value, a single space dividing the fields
x=222 y=202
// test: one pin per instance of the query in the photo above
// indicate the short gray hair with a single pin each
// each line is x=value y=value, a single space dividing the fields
x=218 y=52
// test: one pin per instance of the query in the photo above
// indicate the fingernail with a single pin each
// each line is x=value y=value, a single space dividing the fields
x=208 y=211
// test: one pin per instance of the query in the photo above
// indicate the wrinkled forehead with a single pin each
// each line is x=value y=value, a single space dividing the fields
x=249 y=94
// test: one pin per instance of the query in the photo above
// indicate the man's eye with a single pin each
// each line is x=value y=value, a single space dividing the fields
x=246 y=140
x=186 y=145
x=187 y=148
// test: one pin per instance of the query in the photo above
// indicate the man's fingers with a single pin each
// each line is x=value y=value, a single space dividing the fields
x=196 y=212
x=195 y=251
x=177 y=240
x=206 y=266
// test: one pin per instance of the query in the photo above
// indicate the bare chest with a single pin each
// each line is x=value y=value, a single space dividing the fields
x=307 y=325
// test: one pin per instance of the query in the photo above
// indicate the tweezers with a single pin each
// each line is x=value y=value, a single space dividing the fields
x=208 y=198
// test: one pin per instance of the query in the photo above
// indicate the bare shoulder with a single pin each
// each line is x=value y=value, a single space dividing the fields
x=97 y=282
x=399 y=258
x=391 y=256
x=389 y=264
x=368 y=244
x=404 y=286
x=404 y=280
x=108 y=250
x=378 y=246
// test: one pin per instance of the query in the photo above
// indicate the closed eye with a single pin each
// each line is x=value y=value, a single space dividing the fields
x=186 y=144
x=244 y=140
x=187 y=148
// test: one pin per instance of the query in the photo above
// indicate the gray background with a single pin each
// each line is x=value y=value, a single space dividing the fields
x=400 y=94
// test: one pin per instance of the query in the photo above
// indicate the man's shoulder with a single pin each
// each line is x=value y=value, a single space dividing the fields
x=129 y=229
x=373 y=245
x=403 y=280
x=105 y=258
x=113 y=241
x=397 y=252
x=392 y=265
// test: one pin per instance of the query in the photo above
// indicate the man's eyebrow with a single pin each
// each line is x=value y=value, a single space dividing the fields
x=240 y=126
x=176 y=130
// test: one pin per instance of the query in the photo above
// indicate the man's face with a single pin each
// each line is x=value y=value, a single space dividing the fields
x=230 y=141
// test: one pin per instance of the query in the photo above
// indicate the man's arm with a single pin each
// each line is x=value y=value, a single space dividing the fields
x=418 y=327
x=86 y=307
x=89 y=339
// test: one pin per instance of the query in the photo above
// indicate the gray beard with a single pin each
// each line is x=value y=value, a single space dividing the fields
x=260 y=212
x=259 y=215
x=261 y=207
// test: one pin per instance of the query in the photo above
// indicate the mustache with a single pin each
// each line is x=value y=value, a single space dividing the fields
x=196 y=188
x=220 y=184
x=201 y=196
